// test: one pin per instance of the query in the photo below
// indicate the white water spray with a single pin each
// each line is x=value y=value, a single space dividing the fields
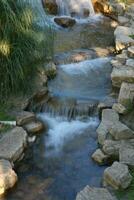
x=78 y=8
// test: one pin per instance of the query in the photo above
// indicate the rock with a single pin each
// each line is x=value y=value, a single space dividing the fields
x=117 y=176
x=24 y=117
x=123 y=20
x=111 y=148
x=91 y=193
x=130 y=63
x=13 y=143
x=109 y=117
x=65 y=22
x=119 y=108
x=131 y=52
x=126 y=95
x=50 y=70
x=34 y=127
x=51 y=6
x=120 y=131
x=122 y=74
x=121 y=58
x=99 y=157
x=101 y=6
x=8 y=177
x=126 y=152
x=122 y=37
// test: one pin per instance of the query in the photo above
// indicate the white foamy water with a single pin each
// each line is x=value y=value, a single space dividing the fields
x=75 y=7
x=84 y=66
x=61 y=131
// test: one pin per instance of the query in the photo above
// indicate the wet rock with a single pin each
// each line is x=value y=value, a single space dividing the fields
x=50 y=70
x=123 y=20
x=109 y=117
x=91 y=193
x=122 y=74
x=126 y=152
x=24 y=117
x=8 y=177
x=99 y=157
x=12 y=144
x=65 y=22
x=117 y=176
x=34 y=127
x=111 y=148
x=51 y=6
x=119 y=108
x=120 y=131
x=126 y=95
x=131 y=52
x=122 y=37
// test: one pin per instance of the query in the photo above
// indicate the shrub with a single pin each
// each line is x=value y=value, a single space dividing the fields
x=23 y=44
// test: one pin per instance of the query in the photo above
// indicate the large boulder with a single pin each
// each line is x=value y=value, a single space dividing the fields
x=50 y=6
x=111 y=148
x=117 y=176
x=12 y=144
x=92 y=193
x=99 y=157
x=126 y=152
x=119 y=108
x=65 y=22
x=8 y=177
x=126 y=95
x=131 y=52
x=24 y=118
x=120 y=131
x=122 y=74
x=34 y=127
x=109 y=117
x=122 y=37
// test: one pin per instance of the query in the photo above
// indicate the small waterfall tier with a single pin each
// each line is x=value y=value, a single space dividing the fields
x=75 y=8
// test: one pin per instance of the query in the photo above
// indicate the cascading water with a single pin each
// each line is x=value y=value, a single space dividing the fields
x=78 y=8
x=58 y=165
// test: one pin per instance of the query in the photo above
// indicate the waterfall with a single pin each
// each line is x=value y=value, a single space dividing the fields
x=75 y=8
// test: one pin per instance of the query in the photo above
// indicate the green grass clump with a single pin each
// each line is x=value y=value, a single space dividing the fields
x=132 y=36
x=23 y=43
x=127 y=194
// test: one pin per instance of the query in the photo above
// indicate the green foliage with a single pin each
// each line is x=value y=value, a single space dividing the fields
x=127 y=194
x=132 y=36
x=23 y=43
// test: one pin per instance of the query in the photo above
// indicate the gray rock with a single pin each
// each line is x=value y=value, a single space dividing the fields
x=91 y=193
x=99 y=157
x=24 y=118
x=131 y=52
x=111 y=148
x=122 y=74
x=8 y=177
x=117 y=176
x=126 y=152
x=122 y=20
x=126 y=95
x=120 y=131
x=34 y=127
x=119 y=108
x=12 y=144
x=122 y=37
x=109 y=117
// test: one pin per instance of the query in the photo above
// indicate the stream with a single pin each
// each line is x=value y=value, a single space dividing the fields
x=58 y=165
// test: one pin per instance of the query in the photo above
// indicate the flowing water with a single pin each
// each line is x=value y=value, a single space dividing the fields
x=59 y=164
